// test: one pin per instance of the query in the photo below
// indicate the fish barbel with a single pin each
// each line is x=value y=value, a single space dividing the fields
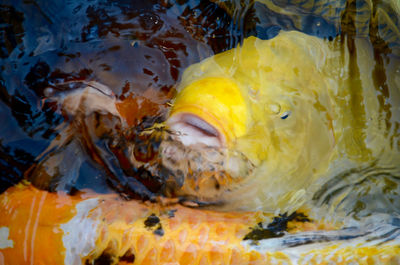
x=265 y=125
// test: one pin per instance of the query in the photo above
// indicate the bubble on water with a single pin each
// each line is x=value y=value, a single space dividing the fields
x=253 y=92
x=275 y=108
x=150 y=21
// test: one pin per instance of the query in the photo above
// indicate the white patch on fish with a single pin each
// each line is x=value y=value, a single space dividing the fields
x=80 y=233
x=4 y=241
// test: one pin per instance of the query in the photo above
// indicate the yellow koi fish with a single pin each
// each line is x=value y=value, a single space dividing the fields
x=267 y=125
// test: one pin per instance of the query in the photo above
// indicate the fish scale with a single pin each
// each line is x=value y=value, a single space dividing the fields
x=92 y=229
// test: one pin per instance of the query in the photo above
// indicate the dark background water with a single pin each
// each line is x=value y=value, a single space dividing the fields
x=130 y=46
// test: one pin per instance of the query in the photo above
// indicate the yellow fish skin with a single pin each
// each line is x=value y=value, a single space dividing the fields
x=229 y=114
x=279 y=118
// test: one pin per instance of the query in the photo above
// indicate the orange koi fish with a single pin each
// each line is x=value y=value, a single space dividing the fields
x=38 y=227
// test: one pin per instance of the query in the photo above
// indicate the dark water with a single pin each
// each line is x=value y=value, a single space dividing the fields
x=128 y=46
x=51 y=47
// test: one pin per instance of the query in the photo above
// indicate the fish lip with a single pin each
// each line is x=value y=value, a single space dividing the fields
x=197 y=123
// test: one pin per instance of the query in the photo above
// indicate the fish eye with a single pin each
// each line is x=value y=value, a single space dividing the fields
x=286 y=114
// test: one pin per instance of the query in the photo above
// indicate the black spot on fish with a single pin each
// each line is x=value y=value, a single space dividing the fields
x=276 y=228
x=104 y=259
x=72 y=191
x=259 y=233
x=159 y=231
x=151 y=221
x=128 y=257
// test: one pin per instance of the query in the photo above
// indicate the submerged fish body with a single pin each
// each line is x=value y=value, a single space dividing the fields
x=39 y=227
x=265 y=125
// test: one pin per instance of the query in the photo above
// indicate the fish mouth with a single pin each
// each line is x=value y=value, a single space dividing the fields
x=192 y=130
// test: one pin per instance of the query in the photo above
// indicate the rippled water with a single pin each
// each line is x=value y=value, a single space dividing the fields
x=85 y=85
x=139 y=50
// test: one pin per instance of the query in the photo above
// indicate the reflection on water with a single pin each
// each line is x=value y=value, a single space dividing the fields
x=85 y=87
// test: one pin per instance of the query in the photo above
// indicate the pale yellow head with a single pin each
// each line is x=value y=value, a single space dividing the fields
x=266 y=107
